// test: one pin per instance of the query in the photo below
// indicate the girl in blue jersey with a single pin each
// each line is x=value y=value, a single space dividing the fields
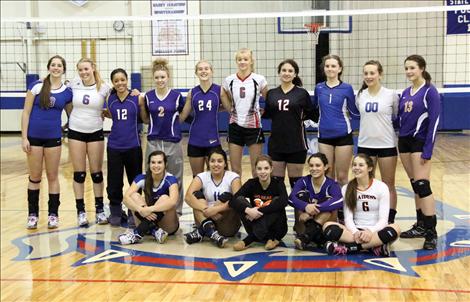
x=418 y=114
x=41 y=134
x=335 y=100
x=162 y=108
x=123 y=150
x=315 y=197
x=156 y=210
x=86 y=139
x=379 y=108
x=204 y=103
x=208 y=195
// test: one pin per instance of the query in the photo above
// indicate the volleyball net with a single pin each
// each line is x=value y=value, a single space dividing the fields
x=183 y=35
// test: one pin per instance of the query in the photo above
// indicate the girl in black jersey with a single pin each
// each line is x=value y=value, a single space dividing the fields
x=288 y=105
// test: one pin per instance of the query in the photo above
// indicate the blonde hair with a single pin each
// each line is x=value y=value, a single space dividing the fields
x=99 y=81
x=160 y=64
x=245 y=50
x=202 y=61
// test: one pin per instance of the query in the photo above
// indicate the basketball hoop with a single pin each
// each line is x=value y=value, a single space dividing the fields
x=313 y=30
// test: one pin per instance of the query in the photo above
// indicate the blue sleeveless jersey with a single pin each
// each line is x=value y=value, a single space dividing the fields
x=204 y=130
x=47 y=123
x=162 y=189
x=124 y=133
x=164 y=116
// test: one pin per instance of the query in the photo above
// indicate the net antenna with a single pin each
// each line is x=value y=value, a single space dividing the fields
x=313 y=31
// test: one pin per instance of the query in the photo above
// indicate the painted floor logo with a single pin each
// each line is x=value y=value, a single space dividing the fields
x=100 y=245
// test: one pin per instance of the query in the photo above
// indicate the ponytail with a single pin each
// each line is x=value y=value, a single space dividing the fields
x=364 y=86
x=297 y=81
x=45 y=93
x=351 y=195
x=427 y=77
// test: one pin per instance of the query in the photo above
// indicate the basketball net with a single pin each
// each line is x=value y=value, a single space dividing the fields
x=313 y=30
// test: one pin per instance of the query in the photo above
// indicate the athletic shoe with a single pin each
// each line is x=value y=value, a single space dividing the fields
x=239 y=246
x=160 y=235
x=129 y=238
x=193 y=237
x=335 y=248
x=32 y=222
x=381 y=250
x=101 y=218
x=82 y=219
x=219 y=239
x=430 y=240
x=416 y=231
x=301 y=242
x=271 y=244
x=52 y=221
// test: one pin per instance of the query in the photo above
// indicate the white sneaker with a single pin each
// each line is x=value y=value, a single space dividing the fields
x=160 y=235
x=52 y=222
x=129 y=238
x=101 y=218
x=32 y=222
x=82 y=219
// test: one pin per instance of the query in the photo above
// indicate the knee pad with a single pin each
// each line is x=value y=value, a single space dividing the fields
x=413 y=185
x=226 y=196
x=79 y=176
x=293 y=180
x=423 y=188
x=34 y=181
x=333 y=232
x=97 y=177
x=199 y=194
x=387 y=234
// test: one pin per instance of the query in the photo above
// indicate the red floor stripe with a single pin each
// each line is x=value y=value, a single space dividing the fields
x=241 y=283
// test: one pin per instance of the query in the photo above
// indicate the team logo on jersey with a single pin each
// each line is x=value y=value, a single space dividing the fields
x=97 y=244
x=52 y=101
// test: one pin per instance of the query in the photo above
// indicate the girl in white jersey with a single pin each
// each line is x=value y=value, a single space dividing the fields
x=366 y=206
x=378 y=107
x=208 y=195
x=245 y=88
x=86 y=136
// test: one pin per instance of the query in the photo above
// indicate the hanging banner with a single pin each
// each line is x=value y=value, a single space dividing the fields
x=169 y=37
x=458 y=21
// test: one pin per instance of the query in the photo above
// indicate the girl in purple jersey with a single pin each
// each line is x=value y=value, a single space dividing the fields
x=41 y=137
x=161 y=112
x=203 y=101
x=418 y=113
x=123 y=150
x=315 y=198
x=366 y=206
x=156 y=210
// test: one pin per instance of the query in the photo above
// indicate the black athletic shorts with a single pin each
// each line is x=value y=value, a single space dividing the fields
x=379 y=152
x=244 y=136
x=45 y=142
x=86 y=137
x=291 y=158
x=195 y=151
x=337 y=141
x=409 y=144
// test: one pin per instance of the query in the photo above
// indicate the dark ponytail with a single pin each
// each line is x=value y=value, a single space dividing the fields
x=350 y=197
x=45 y=93
x=297 y=81
x=422 y=65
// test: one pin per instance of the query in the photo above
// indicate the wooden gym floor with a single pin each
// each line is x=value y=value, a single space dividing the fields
x=87 y=264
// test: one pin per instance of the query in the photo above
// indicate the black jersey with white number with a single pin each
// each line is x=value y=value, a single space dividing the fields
x=288 y=112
